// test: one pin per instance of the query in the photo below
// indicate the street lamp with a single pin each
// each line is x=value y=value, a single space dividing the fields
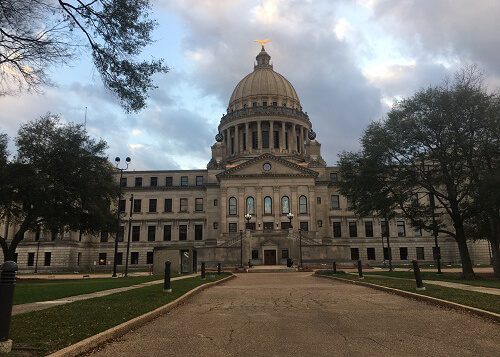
x=290 y=217
x=117 y=161
x=241 y=249
x=248 y=217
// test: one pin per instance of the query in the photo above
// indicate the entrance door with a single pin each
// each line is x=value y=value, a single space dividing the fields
x=269 y=257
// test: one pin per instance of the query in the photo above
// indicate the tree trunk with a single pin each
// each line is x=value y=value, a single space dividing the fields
x=467 y=269
x=495 y=246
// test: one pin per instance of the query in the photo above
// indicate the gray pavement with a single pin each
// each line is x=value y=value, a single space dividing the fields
x=296 y=314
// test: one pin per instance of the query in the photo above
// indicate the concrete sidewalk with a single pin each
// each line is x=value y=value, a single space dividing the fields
x=41 y=305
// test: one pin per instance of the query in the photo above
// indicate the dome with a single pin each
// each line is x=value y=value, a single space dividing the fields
x=264 y=87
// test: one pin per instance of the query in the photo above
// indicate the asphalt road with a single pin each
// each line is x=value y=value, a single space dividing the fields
x=295 y=314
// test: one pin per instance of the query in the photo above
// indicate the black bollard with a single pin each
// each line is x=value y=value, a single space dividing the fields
x=203 y=271
x=218 y=268
x=418 y=278
x=334 y=267
x=166 y=282
x=7 y=285
x=360 y=270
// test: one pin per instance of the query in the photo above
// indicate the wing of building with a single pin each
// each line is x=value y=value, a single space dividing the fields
x=266 y=163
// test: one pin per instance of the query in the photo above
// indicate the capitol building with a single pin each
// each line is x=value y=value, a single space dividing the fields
x=266 y=196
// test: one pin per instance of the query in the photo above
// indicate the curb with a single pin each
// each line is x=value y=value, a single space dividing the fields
x=453 y=305
x=92 y=342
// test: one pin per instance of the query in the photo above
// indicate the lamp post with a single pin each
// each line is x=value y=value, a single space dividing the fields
x=435 y=232
x=248 y=217
x=128 y=234
x=290 y=217
x=117 y=161
x=300 y=248
x=241 y=249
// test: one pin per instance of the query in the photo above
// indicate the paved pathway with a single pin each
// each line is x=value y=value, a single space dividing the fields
x=297 y=314
x=41 y=305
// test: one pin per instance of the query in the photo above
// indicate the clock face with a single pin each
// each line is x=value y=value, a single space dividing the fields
x=266 y=166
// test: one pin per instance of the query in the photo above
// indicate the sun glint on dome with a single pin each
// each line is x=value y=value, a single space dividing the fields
x=263 y=87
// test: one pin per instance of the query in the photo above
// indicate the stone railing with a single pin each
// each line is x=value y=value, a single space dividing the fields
x=263 y=111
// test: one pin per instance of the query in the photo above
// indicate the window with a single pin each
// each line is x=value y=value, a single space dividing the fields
x=265 y=139
x=255 y=254
x=137 y=206
x=119 y=258
x=268 y=205
x=264 y=104
x=250 y=226
x=354 y=253
x=284 y=254
x=31 y=259
x=337 y=230
x=275 y=104
x=149 y=257
x=199 y=180
x=233 y=228
x=304 y=226
x=335 y=202
x=266 y=166
x=387 y=252
x=276 y=140
x=120 y=234
x=333 y=177
x=48 y=256
x=136 y=233
x=285 y=205
x=184 y=181
x=198 y=204
x=232 y=206
x=216 y=202
x=254 y=104
x=134 y=258
x=318 y=200
x=183 y=232
x=152 y=205
x=123 y=182
x=216 y=225
x=436 y=251
x=350 y=202
x=353 y=229
x=320 y=223
x=303 y=205
x=250 y=205
x=167 y=232
x=369 y=229
x=403 y=253
x=169 y=181
x=268 y=226
x=401 y=229
x=285 y=225
x=79 y=259
x=420 y=253
x=102 y=258
x=255 y=140
x=151 y=233
x=138 y=182
x=153 y=182
x=383 y=228
x=104 y=236
x=122 y=205
x=198 y=232
x=370 y=252
x=183 y=204
x=168 y=205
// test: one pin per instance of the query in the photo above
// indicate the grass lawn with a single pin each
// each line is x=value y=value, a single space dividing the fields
x=41 y=332
x=486 y=280
x=32 y=290
x=470 y=298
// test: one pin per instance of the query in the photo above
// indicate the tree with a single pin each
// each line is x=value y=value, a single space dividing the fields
x=38 y=34
x=432 y=143
x=60 y=180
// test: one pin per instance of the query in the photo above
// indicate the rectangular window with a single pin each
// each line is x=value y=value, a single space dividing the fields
x=149 y=257
x=198 y=232
x=104 y=236
x=199 y=205
x=354 y=253
x=184 y=181
x=183 y=232
x=136 y=233
x=304 y=226
x=264 y=104
x=403 y=253
x=167 y=232
x=153 y=182
x=320 y=223
x=254 y=104
x=48 y=257
x=265 y=139
x=31 y=259
x=102 y=258
x=318 y=200
x=137 y=206
x=250 y=226
x=255 y=140
x=337 y=230
x=233 y=227
x=119 y=258
x=401 y=229
x=369 y=229
x=284 y=254
x=151 y=233
x=276 y=137
x=335 y=202
x=138 y=182
x=168 y=205
x=383 y=228
x=350 y=202
x=387 y=251
x=275 y=104
x=255 y=254
x=122 y=205
x=183 y=204
x=123 y=182
x=152 y=205
x=353 y=229
x=216 y=225
x=268 y=226
x=216 y=202
x=333 y=177
x=420 y=253
x=169 y=181
x=120 y=234
x=199 y=180
x=134 y=258
x=285 y=225
x=370 y=252
x=79 y=259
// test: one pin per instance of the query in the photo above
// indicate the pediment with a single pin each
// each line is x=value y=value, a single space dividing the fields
x=278 y=168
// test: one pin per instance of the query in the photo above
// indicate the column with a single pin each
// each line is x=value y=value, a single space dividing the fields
x=283 y=137
x=236 y=140
x=294 y=138
x=271 y=136
x=247 y=133
x=311 y=207
x=259 y=135
x=301 y=139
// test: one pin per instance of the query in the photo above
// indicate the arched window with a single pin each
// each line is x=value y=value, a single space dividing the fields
x=232 y=206
x=285 y=205
x=302 y=204
x=268 y=205
x=250 y=206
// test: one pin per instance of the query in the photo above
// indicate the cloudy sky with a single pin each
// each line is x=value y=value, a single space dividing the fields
x=348 y=61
